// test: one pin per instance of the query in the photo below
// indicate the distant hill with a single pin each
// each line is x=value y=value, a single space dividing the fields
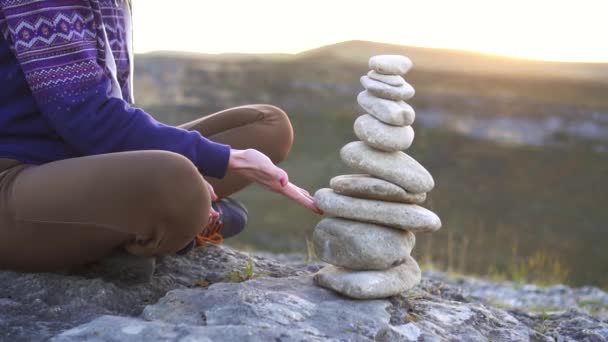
x=444 y=60
x=327 y=80
x=427 y=59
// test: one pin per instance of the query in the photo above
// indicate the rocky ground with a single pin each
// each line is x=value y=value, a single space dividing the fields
x=217 y=293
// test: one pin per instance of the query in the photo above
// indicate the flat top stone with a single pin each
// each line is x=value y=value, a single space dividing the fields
x=390 y=64
x=395 y=167
x=369 y=187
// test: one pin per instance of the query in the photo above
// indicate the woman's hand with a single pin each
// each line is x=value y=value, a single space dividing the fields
x=213 y=215
x=258 y=168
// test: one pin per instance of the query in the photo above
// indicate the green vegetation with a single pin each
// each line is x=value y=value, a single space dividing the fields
x=243 y=275
x=521 y=213
x=529 y=213
x=310 y=251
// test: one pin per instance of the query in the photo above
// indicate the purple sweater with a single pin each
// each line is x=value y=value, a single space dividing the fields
x=65 y=87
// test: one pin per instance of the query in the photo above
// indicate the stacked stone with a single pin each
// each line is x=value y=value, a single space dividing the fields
x=369 y=239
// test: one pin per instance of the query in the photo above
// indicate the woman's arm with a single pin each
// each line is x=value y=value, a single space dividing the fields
x=66 y=73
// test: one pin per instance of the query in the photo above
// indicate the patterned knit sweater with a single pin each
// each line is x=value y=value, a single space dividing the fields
x=65 y=87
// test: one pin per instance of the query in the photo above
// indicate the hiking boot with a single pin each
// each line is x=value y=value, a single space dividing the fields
x=231 y=221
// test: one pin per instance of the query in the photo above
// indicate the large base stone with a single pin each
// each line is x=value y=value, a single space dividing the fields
x=361 y=246
x=370 y=284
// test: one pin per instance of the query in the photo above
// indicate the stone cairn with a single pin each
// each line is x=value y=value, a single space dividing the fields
x=375 y=215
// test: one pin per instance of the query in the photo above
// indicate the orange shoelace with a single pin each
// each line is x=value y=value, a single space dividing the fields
x=211 y=233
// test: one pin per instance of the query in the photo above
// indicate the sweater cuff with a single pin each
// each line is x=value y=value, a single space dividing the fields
x=214 y=161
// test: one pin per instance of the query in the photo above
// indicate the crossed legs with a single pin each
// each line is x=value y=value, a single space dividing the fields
x=71 y=212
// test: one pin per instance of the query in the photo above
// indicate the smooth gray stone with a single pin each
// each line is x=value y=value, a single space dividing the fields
x=390 y=64
x=366 y=186
x=381 y=136
x=394 y=80
x=370 y=284
x=361 y=246
x=398 y=215
x=397 y=113
x=395 y=167
x=385 y=91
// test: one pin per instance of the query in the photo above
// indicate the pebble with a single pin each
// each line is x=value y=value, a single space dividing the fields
x=397 y=113
x=381 y=136
x=390 y=64
x=385 y=91
x=366 y=186
x=361 y=246
x=410 y=217
x=395 y=167
x=394 y=80
x=370 y=284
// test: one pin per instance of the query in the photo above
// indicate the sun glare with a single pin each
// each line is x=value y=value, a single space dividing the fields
x=539 y=29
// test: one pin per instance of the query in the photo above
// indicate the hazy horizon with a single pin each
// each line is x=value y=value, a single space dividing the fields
x=187 y=52
x=540 y=30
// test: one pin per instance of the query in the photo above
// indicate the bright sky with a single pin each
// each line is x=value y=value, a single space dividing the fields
x=537 y=29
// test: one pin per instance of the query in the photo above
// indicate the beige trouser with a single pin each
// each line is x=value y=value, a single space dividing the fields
x=74 y=211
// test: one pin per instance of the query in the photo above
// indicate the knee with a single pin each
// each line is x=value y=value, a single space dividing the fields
x=280 y=134
x=184 y=200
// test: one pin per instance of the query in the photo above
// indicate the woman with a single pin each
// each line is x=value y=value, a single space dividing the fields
x=84 y=173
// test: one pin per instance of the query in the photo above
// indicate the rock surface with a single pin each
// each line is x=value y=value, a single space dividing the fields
x=398 y=215
x=381 y=136
x=360 y=246
x=366 y=186
x=529 y=297
x=37 y=307
x=395 y=167
x=396 y=113
x=394 y=80
x=370 y=284
x=385 y=91
x=390 y=64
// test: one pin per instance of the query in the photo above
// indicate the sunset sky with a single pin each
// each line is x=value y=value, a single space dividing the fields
x=536 y=29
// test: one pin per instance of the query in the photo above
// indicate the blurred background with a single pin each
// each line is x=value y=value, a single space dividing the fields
x=511 y=102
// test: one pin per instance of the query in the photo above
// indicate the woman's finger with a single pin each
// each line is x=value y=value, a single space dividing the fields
x=292 y=192
x=213 y=215
x=212 y=192
x=303 y=191
x=306 y=194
